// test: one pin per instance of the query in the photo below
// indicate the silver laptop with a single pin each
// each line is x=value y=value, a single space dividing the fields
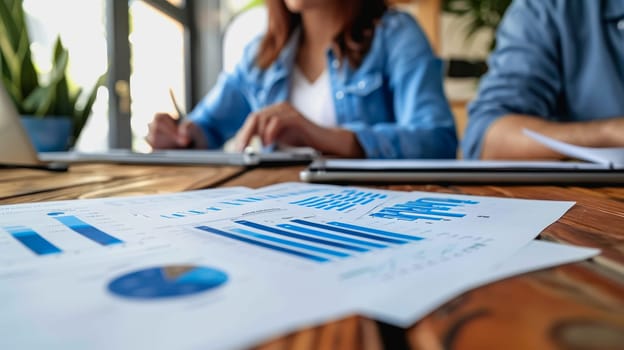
x=15 y=146
x=460 y=171
x=16 y=149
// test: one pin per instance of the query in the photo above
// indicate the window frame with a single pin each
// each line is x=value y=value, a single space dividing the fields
x=119 y=57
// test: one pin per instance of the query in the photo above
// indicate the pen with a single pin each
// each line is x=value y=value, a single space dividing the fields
x=181 y=114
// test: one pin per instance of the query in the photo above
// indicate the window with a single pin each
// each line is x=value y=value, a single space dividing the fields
x=87 y=50
x=150 y=45
x=157 y=65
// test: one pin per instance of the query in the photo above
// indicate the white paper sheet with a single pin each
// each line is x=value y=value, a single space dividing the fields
x=612 y=156
x=403 y=312
x=288 y=256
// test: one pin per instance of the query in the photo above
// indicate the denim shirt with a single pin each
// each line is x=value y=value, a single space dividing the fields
x=562 y=60
x=394 y=102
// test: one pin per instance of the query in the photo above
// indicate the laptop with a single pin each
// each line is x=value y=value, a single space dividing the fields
x=461 y=171
x=16 y=149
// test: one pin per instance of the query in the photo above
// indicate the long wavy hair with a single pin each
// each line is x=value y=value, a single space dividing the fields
x=352 y=43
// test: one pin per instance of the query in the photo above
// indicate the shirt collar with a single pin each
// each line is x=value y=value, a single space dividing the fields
x=286 y=59
x=613 y=9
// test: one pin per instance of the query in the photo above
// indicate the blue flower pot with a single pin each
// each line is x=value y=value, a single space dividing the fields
x=49 y=134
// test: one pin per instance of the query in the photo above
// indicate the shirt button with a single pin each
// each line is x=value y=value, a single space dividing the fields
x=336 y=64
x=621 y=24
x=339 y=95
x=361 y=85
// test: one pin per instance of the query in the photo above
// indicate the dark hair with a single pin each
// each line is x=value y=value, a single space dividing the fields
x=352 y=43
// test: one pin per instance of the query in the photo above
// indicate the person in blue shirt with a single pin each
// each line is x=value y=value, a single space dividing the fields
x=350 y=78
x=558 y=69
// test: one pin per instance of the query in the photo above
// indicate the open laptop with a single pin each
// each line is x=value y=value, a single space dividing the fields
x=16 y=149
x=461 y=171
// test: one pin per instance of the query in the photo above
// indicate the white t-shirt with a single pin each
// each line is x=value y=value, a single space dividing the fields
x=313 y=100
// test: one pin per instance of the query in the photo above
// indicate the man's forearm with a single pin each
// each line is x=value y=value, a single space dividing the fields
x=505 y=139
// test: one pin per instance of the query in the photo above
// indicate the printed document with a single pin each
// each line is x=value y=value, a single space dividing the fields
x=229 y=268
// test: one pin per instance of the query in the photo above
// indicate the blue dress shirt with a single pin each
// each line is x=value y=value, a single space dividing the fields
x=394 y=102
x=562 y=60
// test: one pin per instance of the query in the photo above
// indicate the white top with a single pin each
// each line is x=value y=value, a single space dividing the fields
x=313 y=99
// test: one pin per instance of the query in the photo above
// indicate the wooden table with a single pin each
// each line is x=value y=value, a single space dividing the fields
x=575 y=306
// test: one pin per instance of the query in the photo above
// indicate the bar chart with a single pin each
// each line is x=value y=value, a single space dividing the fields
x=429 y=209
x=235 y=202
x=340 y=201
x=32 y=240
x=311 y=240
x=85 y=229
x=60 y=233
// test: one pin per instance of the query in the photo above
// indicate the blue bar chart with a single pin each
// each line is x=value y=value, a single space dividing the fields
x=234 y=203
x=314 y=241
x=340 y=201
x=84 y=229
x=430 y=209
x=261 y=244
x=191 y=212
x=32 y=240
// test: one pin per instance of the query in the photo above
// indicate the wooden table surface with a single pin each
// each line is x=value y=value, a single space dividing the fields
x=574 y=306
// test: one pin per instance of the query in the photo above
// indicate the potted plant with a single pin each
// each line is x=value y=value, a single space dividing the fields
x=481 y=13
x=53 y=110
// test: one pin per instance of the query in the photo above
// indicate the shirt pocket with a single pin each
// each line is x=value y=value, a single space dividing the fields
x=366 y=99
x=256 y=96
x=365 y=85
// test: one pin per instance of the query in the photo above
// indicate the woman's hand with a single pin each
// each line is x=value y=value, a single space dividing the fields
x=166 y=133
x=282 y=124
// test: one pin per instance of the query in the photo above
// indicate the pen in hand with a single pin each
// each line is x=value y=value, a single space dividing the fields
x=181 y=114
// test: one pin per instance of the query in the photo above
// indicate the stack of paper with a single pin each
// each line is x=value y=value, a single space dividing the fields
x=230 y=268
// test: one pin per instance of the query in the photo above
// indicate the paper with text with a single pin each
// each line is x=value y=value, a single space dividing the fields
x=230 y=269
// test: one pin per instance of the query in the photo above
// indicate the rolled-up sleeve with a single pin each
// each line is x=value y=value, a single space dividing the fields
x=424 y=125
x=224 y=109
x=523 y=76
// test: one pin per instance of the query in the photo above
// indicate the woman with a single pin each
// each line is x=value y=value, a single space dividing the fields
x=350 y=78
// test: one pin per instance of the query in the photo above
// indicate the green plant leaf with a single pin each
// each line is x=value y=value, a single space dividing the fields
x=47 y=103
x=18 y=71
x=12 y=61
x=28 y=75
x=480 y=13
x=8 y=22
x=60 y=62
x=40 y=102
x=80 y=119
x=32 y=101
x=63 y=104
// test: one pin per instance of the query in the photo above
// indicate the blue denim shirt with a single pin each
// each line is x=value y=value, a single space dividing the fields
x=394 y=102
x=562 y=60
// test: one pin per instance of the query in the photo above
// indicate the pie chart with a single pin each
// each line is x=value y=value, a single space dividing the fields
x=167 y=282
